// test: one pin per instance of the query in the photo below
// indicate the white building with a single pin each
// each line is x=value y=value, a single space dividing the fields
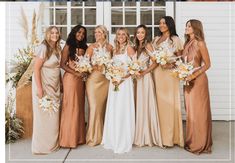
x=217 y=18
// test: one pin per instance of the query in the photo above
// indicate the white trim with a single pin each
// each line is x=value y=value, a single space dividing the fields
x=68 y=17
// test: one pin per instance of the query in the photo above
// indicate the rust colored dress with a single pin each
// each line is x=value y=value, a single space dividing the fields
x=167 y=90
x=197 y=104
x=72 y=126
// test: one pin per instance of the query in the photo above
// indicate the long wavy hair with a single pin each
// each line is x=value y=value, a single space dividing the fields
x=197 y=30
x=170 y=23
x=117 y=44
x=50 y=50
x=137 y=42
x=73 y=43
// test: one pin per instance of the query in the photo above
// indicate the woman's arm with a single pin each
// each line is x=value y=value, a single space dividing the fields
x=64 y=61
x=206 y=59
x=37 y=73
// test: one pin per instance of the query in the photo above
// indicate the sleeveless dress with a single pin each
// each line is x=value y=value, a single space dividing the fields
x=119 y=126
x=147 y=129
x=72 y=125
x=197 y=104
x=167 y=90
x=45 y=126
x=97 y=92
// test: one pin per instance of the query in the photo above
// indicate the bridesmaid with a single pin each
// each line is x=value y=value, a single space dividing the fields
x=72 y=125
x=147 y=130
x=119 y=126
x=197 y=99
x=46 y=81
x=168 y=88
x=97 y=87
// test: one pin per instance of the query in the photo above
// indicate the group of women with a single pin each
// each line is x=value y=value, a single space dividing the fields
x=142 y=113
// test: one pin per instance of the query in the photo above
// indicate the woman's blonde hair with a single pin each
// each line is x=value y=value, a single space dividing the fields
x=46 y=41
x=104 y=30
x=117 y=44
x=197 y=30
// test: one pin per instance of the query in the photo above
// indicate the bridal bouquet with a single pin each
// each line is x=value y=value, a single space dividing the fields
x=164 y=54
x=46 y=103
x=134 y=68
x=183 y=70
x=82 y=65
x=100 y=58
x=115 y=71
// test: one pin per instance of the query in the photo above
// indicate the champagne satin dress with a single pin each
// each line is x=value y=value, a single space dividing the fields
x=167 y=90
x=45 y=138
x=72 y=125
x=147 y=131
x=97 y=91
x=197 y=104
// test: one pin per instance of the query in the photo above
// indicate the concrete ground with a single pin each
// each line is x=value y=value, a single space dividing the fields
x=222 y=151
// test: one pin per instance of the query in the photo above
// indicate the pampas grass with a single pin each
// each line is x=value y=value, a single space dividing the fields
x=24 y=23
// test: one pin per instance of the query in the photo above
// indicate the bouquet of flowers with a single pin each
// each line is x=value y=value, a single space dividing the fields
x=164 y=54
x=134 y=67
x=100 y=58
x=115 y=71
x=46 y=103
x=82 y=65
x=183 y=70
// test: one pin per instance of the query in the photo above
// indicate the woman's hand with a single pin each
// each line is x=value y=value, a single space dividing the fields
x=168 y=66
x=40 y=93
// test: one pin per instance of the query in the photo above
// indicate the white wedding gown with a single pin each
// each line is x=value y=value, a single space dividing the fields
x=119 y=125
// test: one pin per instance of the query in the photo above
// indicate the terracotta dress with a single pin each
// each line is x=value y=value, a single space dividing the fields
x=46 y=126
x=147 y=130
x=167 y=90
x=72 y=125
x=197 y=104
x=97 y=91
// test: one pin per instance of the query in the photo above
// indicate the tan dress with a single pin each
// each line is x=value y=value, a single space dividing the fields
x=97 y=91
x=45 y=126
x=168 y=100
x=72 y=125
x=147 y=130
x=197 y=104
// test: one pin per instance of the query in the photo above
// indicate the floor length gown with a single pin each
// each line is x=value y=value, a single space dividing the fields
x=119 y=126
x=197 y=104
x=167 y=90
x=147 y=129
x=45 y=138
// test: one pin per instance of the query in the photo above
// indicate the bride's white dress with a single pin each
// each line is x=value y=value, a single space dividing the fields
x=119 y=125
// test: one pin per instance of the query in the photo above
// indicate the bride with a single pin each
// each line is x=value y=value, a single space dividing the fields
x=119 y=125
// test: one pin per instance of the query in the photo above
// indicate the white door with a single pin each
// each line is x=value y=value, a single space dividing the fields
x=111 y=14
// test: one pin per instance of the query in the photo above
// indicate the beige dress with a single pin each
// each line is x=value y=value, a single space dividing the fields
x=45 y=126
x=97 y=91
x=197 y=104
x=147 y=130
x=168 y=100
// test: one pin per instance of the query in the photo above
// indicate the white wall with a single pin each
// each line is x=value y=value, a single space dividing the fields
x=14 y=33
x=219 y=27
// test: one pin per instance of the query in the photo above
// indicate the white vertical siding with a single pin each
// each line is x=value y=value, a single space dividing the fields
x=219 y=27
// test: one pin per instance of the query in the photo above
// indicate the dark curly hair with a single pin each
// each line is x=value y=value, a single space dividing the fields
x=73 y=43
x=170 y=23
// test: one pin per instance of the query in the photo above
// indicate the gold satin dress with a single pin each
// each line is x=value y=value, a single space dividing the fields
x=97 y=91
x=197 y=104
x=147 y=130
x=167 y=90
